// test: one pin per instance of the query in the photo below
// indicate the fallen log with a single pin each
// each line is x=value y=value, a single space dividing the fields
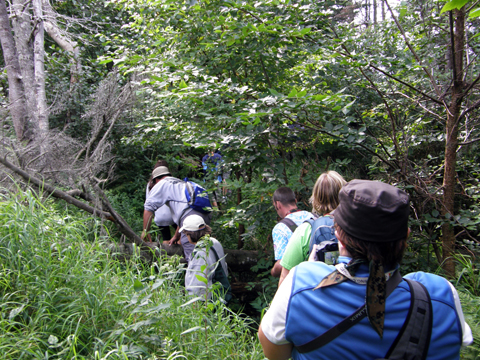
x=237 y=260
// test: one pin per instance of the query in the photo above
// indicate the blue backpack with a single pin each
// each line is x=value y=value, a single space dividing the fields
x=197 y=197
x=323 y=233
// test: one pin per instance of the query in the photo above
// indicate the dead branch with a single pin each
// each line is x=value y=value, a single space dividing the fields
x=121 y=223
x=111 y=216
x=237 y=260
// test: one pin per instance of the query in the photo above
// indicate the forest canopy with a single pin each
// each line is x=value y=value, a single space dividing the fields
x=94 y=93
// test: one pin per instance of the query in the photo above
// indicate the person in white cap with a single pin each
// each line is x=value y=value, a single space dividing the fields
x=170 y=191
x=208 y=251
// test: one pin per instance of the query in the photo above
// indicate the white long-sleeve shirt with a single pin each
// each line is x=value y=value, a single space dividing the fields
x=169 y=191
x=163 y=215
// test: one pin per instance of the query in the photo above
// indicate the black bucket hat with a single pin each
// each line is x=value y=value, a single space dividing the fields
x=373 y=211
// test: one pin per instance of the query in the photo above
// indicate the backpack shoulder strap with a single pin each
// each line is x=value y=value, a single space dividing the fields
x=346 y=323
x=189 y=193
x=413 y=340
x=290 y=223
x=311 y=221
x=221 y=277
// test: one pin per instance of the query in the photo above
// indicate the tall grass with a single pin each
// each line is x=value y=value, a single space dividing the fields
x=63 y=296
x=471 y=311
x=468 y=286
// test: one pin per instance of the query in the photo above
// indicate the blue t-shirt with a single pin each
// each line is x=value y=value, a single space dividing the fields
x=213 y=163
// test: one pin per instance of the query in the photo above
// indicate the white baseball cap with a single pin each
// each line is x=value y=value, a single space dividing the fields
x=193 y=223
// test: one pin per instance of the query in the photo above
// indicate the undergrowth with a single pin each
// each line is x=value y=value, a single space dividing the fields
x=64 y=296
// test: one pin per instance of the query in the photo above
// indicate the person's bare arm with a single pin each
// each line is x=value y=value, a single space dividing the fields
x=273 y=351
x=147 y=222
x=176 y=237
x=276 y=269
x=283 y=275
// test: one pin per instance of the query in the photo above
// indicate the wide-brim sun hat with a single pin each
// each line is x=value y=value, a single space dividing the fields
x=159 y=171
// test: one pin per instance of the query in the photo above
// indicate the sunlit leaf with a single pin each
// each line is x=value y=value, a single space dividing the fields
x=137 y=285
x=473 y=14
x=191 y=330
x=454 y=4
x=202 y=279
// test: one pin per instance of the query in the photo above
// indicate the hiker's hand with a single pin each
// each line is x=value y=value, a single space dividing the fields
x=146 y=237
x=312 y=256
x=174 y=240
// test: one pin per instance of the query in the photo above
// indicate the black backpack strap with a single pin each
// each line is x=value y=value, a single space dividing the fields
x=221 y=277
x=413 y=340
x=290 y=223
x=346 y=323
x=311 y=221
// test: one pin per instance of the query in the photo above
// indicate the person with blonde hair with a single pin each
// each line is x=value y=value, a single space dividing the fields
x=324 y=200
x=324 y=197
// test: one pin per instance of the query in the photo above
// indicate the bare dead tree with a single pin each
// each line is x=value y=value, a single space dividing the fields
x=63 y=162
x=23 y=26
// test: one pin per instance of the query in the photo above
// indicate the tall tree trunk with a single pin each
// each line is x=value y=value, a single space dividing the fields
x=39 y=66
x=367 y=12
x=451 y=140
x=16 y=92
x=22 y=26
x=241 y=227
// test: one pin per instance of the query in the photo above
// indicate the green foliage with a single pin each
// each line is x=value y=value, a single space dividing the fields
x=233 y=75
x=471 y=311
x=286 y=92
x=268 y=284
x=468 y=285
x=63 y=297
